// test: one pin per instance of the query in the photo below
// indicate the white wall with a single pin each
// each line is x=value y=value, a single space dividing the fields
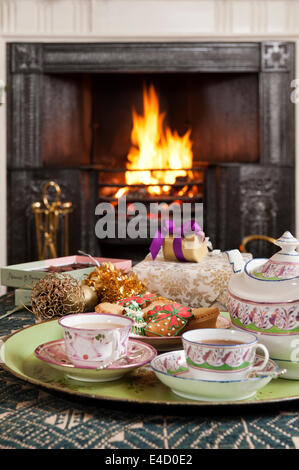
x=117 y=20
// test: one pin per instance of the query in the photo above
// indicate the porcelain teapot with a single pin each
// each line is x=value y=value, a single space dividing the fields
x=263 y=298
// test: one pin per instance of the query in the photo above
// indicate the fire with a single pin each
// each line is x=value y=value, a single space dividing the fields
x=154 y=147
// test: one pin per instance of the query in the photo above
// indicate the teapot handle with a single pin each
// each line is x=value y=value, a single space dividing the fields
x=236 y=260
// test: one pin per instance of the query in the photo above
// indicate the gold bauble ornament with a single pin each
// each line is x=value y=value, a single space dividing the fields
x=90 y=298
x=56 y=295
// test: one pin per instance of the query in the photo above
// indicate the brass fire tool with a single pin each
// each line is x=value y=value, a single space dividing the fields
x=47 y=217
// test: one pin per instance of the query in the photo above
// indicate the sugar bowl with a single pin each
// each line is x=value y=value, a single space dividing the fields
x=263 y=298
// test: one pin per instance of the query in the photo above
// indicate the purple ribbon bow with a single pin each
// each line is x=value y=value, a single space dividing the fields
x=169 y=228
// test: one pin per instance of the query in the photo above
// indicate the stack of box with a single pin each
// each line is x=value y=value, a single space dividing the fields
x=23 y=276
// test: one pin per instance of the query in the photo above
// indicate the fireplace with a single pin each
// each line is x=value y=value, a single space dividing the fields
x=71 y=111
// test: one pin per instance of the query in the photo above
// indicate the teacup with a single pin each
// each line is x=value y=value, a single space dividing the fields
x=216 y=354
x=95 y=339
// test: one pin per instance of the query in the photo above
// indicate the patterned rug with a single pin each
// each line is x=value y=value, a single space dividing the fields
x=31 y=418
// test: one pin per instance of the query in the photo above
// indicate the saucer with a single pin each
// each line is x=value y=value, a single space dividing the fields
x=164 y=343
x=53 y=353
x=171 y=369
x=292 y=368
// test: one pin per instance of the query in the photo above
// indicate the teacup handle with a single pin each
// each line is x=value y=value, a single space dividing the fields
x=265 y=361
x=116 y=342
x=114 y=356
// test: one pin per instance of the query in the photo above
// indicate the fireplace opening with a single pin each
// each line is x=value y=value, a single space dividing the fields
x=150 y=137
x=159 y=163
x=88 y=118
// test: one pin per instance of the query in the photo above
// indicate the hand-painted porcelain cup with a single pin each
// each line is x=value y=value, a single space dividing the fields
x=95 y=339
x=216 y=354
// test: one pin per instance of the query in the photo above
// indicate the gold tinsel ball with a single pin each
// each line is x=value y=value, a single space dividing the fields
x=112 y=284
x=56 y=295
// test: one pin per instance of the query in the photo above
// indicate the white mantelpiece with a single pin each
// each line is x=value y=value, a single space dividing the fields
x=148 y=19
x=131 y=20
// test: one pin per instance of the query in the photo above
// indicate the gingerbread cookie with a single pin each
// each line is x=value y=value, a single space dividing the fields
x=107 y=307
x=167 y=320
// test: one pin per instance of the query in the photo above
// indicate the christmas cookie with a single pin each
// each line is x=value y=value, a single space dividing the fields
x=139 y=322
x=167 y=320
x=203 y=318
x=107 y=307
x=137 y=302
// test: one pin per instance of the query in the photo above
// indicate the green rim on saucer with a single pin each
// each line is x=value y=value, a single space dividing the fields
x=139 y=386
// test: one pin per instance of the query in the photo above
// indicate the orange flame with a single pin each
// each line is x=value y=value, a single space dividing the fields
x=154 y=148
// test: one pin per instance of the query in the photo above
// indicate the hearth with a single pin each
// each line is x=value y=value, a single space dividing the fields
x=76 y=114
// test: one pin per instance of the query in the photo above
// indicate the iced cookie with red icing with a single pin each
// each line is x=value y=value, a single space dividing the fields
x=167 y=320
x=138 y=302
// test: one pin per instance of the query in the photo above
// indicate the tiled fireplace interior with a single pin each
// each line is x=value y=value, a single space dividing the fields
x=71 y=116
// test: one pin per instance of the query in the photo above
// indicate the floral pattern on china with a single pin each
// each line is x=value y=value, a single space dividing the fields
x=175 y=363
x=221 y=356
x=284 y=264
x=265 y=317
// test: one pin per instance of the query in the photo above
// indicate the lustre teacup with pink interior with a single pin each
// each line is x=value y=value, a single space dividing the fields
x=222 y=354
x=95 y=339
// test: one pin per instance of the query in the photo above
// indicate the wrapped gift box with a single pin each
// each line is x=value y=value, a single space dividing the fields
x=25 y=275
x=193 y=249
x=202 y=284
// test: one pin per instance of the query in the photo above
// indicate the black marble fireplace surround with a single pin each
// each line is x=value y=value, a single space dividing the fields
x=246 y=191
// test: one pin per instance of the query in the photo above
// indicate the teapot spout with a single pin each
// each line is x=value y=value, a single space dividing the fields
x=236 y=260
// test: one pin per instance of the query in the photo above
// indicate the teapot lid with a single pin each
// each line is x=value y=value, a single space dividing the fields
x=282 y=265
